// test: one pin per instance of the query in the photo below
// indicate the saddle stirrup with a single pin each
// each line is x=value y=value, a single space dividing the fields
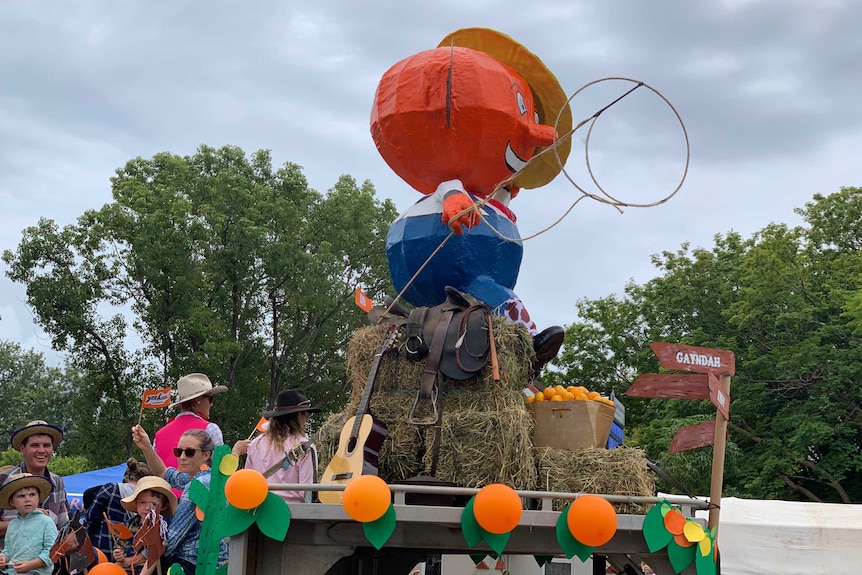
x=411 y=417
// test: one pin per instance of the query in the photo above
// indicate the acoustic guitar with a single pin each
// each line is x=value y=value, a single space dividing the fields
x=361 y=437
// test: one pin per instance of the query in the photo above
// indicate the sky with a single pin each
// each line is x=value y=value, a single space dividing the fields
x=767 y=90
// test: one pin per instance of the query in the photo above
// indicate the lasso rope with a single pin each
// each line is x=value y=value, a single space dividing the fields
x=607 y=199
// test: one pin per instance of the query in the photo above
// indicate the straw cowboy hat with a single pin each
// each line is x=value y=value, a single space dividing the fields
x=37 y=427
x=151 y=483
x=548 y=94
x=290 y=401
x=20 y=480
x=195 y=385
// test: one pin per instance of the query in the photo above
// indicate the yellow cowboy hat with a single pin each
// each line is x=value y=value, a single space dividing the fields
x=36 y=427
x=21 y=480
x=548 y=94
x=151 y=483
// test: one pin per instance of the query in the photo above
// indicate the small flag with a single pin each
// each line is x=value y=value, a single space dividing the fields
x=118 y=530
x=363 y=301
x=156 y=398
x=262 y=425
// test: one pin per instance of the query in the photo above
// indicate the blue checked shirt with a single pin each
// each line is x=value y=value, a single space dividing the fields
x=184 y=532
x=107 y=501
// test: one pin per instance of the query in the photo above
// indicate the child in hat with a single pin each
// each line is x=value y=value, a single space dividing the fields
x=31 y=533
x=152 y=497
x=286 y=431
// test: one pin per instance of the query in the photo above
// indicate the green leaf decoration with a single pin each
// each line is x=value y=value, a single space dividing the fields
x=570 y=546
x=380 y=530
x=469 y=526
x=542 y=559
x=273 y=517
x=705 y=564
x=665 y=507
x=497 y=541
x=680 y=557
x=655 y=533
x=234 y=521
x=199 y=494
x=477 y=558
x=176 y=569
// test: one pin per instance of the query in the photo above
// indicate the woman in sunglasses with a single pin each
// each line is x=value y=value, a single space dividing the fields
x=194 y=456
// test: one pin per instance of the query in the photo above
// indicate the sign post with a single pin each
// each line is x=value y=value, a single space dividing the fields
x=709 y=372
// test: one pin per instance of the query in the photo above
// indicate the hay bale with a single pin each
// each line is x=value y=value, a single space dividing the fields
x=619 y=471
x=483 y=447
x=486 y=432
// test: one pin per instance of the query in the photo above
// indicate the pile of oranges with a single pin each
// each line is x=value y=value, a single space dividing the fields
x=570 y=393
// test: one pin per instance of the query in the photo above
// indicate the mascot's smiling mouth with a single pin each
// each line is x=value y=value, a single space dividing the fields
x=512 y=160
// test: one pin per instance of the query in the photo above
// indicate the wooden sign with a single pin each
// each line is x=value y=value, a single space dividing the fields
x=718 y=398
x=696 y=359
x=673 y=385
x=693 y=436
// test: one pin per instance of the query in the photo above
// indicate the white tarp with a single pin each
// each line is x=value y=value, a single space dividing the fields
x=758 y=537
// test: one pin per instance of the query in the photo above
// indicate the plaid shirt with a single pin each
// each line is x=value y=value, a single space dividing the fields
x=184 y=531
x=107 y=501
x=57 y=505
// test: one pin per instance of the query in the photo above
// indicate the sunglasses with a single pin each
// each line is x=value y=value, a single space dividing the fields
x=189 y=451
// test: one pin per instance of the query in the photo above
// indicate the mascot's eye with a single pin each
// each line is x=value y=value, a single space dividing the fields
x=537 y=117
x=521 y=104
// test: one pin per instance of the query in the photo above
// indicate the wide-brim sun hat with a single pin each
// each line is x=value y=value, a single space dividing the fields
x=549 y=96
x=290 y=401
x=20 y=480
x=151 y=483
x=36 y=427
x=195 y=385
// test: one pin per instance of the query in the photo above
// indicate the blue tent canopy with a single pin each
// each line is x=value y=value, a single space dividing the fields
x=80 y=482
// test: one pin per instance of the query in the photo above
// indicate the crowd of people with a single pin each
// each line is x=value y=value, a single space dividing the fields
x=35 y=507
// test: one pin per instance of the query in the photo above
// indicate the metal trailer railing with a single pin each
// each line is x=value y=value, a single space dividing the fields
x=324 y=540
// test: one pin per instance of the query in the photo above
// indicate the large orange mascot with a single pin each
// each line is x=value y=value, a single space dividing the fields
x=454 y=122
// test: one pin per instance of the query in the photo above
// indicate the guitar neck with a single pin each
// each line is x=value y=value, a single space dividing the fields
x=298 y=452
x=372 y=377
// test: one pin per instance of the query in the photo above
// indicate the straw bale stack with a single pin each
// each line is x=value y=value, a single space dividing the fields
x=486 y=435
x=487 y=431
x=619 y=471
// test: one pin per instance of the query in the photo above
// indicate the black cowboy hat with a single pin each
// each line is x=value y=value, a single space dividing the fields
x=290 y=401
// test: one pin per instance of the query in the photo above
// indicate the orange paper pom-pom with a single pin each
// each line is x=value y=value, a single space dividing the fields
x=366 y=498
x=592 y=520
x=246 y=489
x=497 y=508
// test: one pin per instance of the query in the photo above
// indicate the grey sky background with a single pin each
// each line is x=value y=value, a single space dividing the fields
x=768 y=90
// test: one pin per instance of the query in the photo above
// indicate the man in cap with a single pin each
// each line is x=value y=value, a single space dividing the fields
x=36 y=442
x=195 y=394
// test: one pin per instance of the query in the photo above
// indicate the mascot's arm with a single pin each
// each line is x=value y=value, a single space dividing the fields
x=454 y=203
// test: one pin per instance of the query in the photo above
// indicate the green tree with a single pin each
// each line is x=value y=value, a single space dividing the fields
x=215 y=263
x=783 y=301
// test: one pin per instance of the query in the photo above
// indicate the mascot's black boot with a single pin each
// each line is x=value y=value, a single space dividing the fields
x=546 y=344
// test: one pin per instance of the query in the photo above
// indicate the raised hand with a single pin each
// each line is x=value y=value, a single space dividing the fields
x=454 y=204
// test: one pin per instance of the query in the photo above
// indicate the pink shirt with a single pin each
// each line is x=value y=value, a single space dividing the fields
x=262 y=455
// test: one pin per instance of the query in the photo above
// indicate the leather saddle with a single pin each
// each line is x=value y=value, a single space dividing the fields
x=452 y=337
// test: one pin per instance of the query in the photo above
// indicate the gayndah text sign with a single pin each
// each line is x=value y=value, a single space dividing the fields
x=696 y=359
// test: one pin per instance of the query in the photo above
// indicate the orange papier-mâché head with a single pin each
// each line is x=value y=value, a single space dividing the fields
x=476 y=109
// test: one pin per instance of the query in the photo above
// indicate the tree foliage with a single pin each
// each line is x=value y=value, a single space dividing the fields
x=787 y=302
x=215 y=263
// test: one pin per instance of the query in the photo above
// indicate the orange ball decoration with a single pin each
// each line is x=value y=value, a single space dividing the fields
x=101 y=557
x=366 y=498
x=497 y=508
x=592 y=520
x=246 y=489
x=107 y=568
